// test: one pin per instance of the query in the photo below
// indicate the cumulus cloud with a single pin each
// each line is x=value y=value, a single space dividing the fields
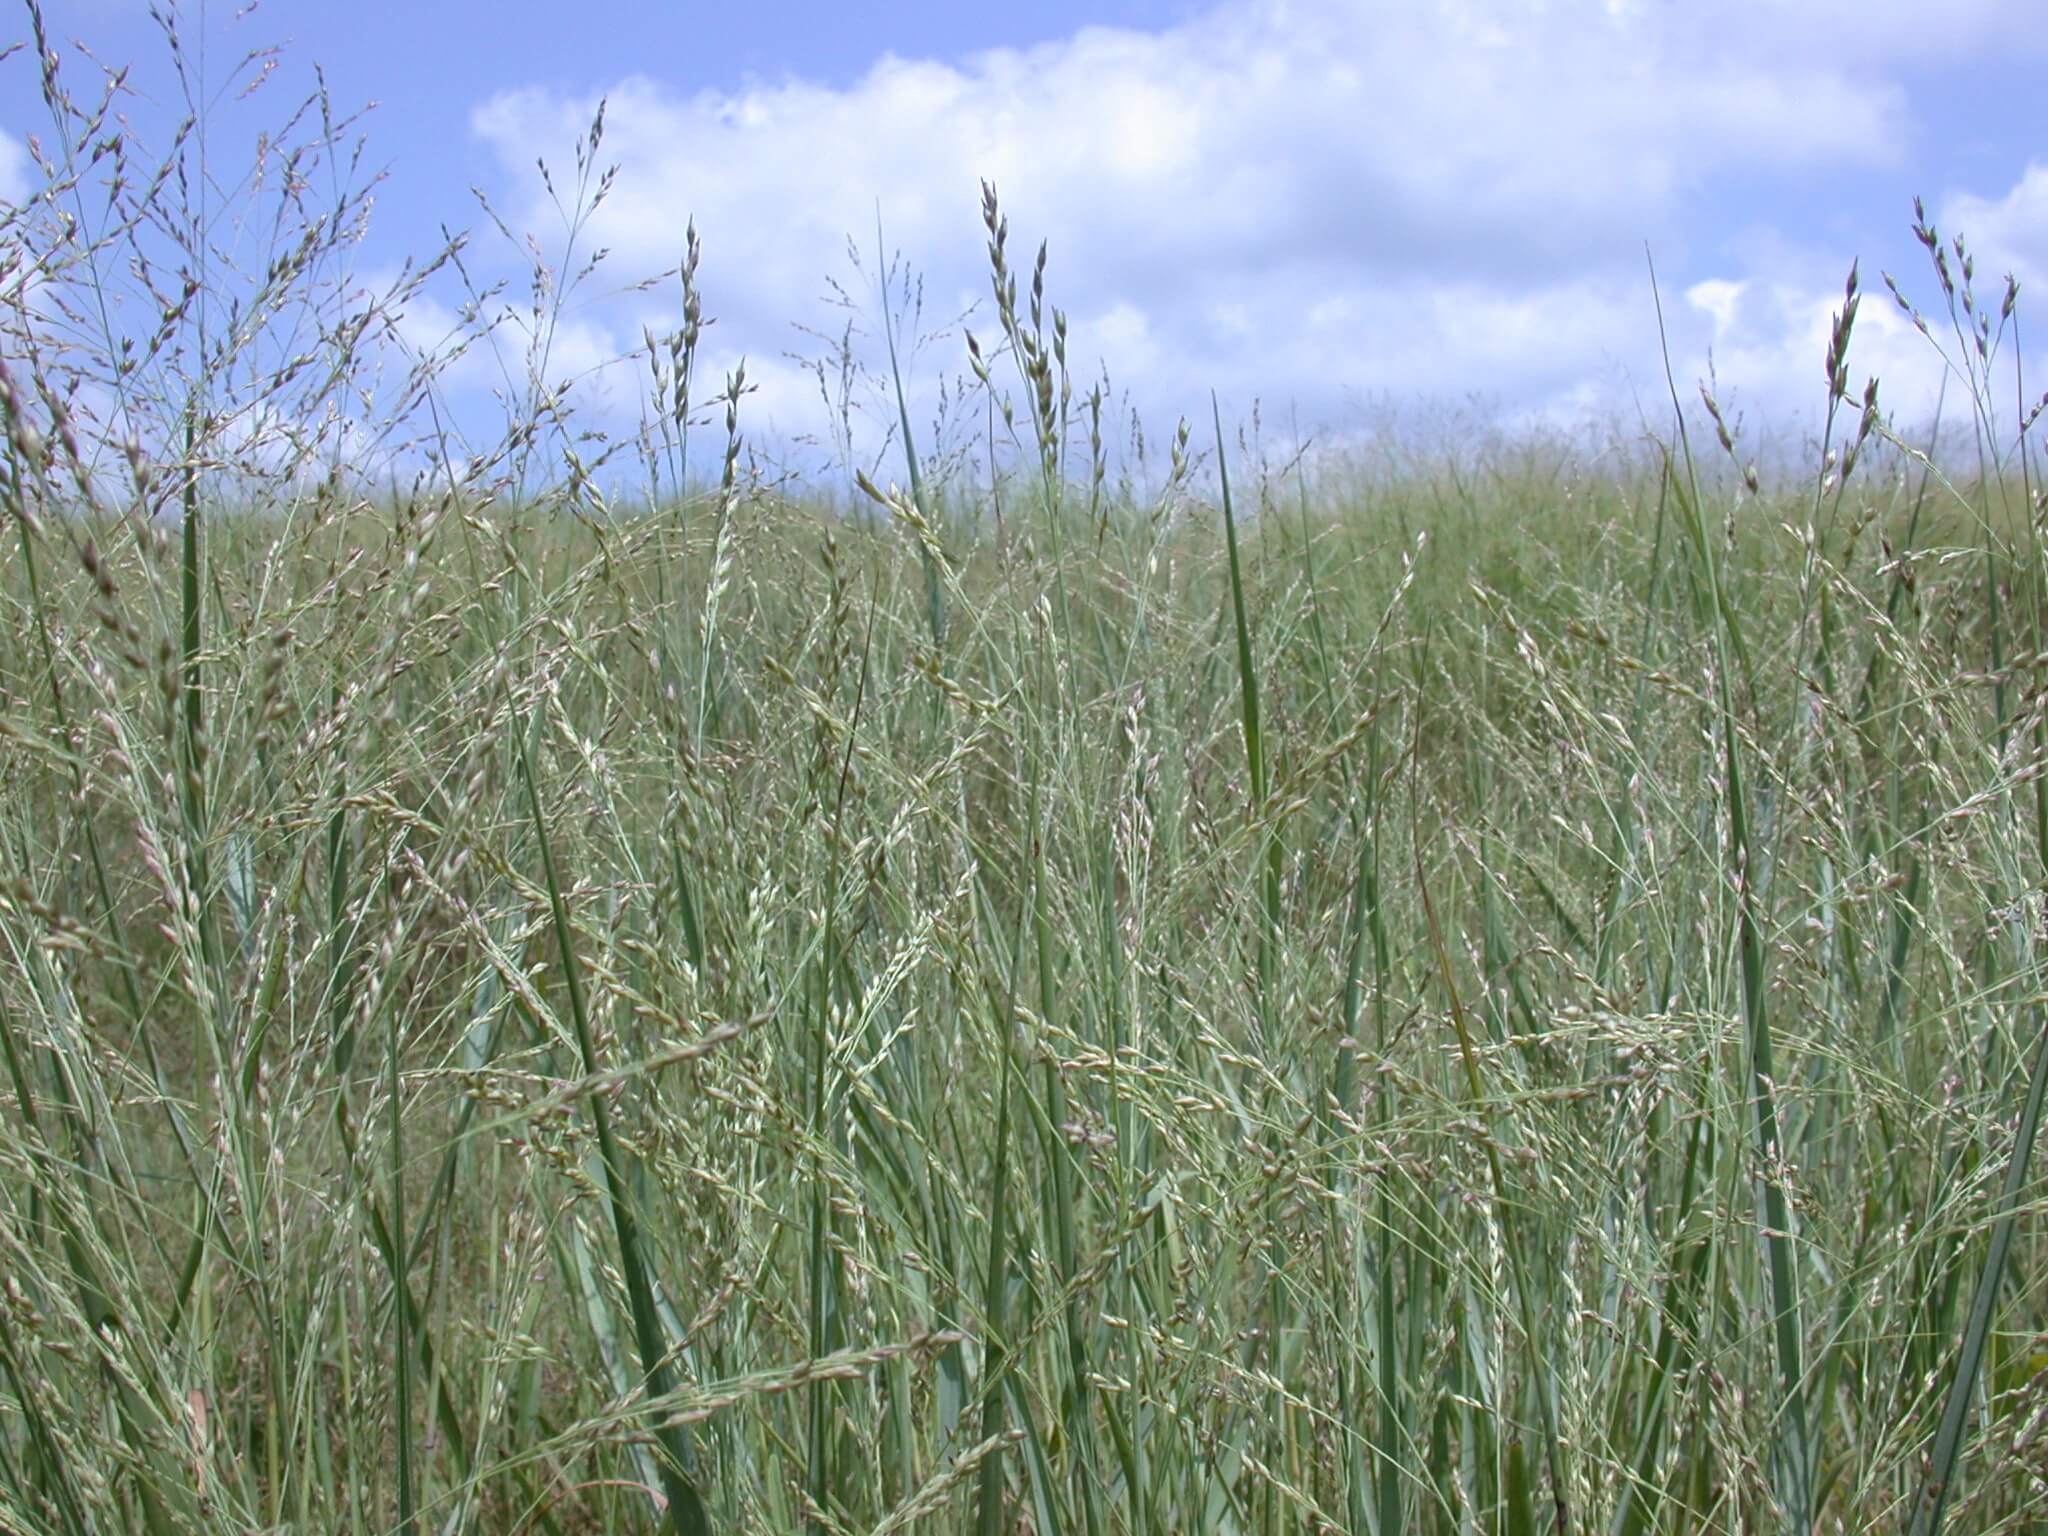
x=1778 y=332
x=2009 y=233
x=1304 y=203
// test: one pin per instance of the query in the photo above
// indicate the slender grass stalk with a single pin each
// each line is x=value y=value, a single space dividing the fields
x=686 y=1513
x=988 y=1517
x=934 y=599
x=1930 y=1505
x=401 y=1285
x=1795 y=1450
x=1060 y=1188
x=1540 y=1373
x=192 y=702
x=1261 y=809
x=823 y=1265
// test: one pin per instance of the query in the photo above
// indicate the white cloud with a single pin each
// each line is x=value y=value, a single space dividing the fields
x=2009 y=234
x=1778 y=333
x=1718 y=298
x=14 y=170
x=1776 y=326
x=1306 y=202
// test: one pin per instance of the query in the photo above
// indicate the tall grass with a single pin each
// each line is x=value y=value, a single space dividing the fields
x=1390 y=1002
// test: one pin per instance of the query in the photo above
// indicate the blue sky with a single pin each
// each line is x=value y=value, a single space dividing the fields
x=1343 y=211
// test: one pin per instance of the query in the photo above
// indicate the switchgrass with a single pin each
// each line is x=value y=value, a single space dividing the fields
x=1498 y=996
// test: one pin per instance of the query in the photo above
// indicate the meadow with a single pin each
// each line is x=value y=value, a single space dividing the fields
x=1491 y=989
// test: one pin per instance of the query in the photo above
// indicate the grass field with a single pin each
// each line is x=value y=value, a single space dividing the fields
x=1499 y=995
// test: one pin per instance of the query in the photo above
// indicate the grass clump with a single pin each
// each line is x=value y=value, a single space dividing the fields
x=1425 y=1001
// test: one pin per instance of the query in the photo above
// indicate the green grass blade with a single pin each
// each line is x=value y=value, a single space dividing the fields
x=1937 y=1487
x=686 y=1514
